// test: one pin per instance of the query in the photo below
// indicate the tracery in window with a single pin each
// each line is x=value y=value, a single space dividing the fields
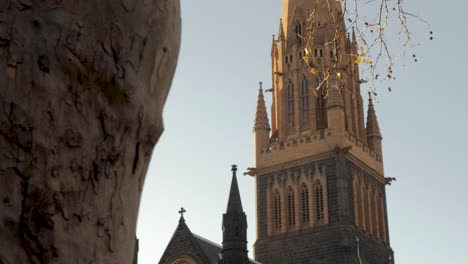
x=291 y=208
x=305 y=216
x=319 y=203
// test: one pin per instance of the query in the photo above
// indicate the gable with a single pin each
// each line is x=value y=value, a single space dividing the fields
x=183 y=248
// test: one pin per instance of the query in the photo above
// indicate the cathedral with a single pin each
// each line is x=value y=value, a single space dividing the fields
x=320 y=184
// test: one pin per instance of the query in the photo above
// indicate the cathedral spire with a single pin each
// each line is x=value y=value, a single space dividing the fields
x=374 y=138
x=234 y=227
x=234 y=202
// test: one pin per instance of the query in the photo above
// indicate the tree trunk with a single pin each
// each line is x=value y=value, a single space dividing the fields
x=82 y=89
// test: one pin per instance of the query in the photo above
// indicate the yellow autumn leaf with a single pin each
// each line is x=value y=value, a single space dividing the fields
x=358 y=61
x=362 y=54
x=368 y=62
x=313 y=71
x=305 y=58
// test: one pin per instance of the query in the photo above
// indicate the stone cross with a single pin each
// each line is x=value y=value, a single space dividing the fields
x=181 y=212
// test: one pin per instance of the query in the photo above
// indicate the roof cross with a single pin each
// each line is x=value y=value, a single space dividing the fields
x=181 y=212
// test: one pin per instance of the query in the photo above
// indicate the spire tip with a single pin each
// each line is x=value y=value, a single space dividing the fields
x=234 y=169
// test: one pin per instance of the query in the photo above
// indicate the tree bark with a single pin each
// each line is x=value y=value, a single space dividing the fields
x=82 y=89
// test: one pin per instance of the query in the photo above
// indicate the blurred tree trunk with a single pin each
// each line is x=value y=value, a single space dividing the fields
x=82 y=89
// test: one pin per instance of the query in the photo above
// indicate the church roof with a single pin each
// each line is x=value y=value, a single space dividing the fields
x=184 y=243
x=213 y=250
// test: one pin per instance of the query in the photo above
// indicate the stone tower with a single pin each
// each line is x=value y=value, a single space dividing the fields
x=319 y=173
x=234 y=227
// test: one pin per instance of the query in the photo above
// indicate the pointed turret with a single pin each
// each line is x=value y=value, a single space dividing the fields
x=374 y=138
x=262 y=126
x=234 y=227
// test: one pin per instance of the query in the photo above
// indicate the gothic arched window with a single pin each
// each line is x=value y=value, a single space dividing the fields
x=277 y=210
x=305 y=204
x=358 y=203
x=367 y=210
x=374 y=214
x=383 y=230
x=291 y=208
x=379 y=217
x=290 y=104
x=298 y=30
x=321 y=108
x=305 y=103
x=319 y=202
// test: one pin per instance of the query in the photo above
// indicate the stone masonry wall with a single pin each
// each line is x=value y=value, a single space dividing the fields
x=326 y=244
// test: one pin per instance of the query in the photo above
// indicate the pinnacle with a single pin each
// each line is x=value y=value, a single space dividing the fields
x=334 y=96
x=354 y=36
x=261 y=116
x=372 y=123
x=281 y=35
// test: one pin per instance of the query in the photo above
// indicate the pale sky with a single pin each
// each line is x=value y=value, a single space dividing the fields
x=210 y=112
